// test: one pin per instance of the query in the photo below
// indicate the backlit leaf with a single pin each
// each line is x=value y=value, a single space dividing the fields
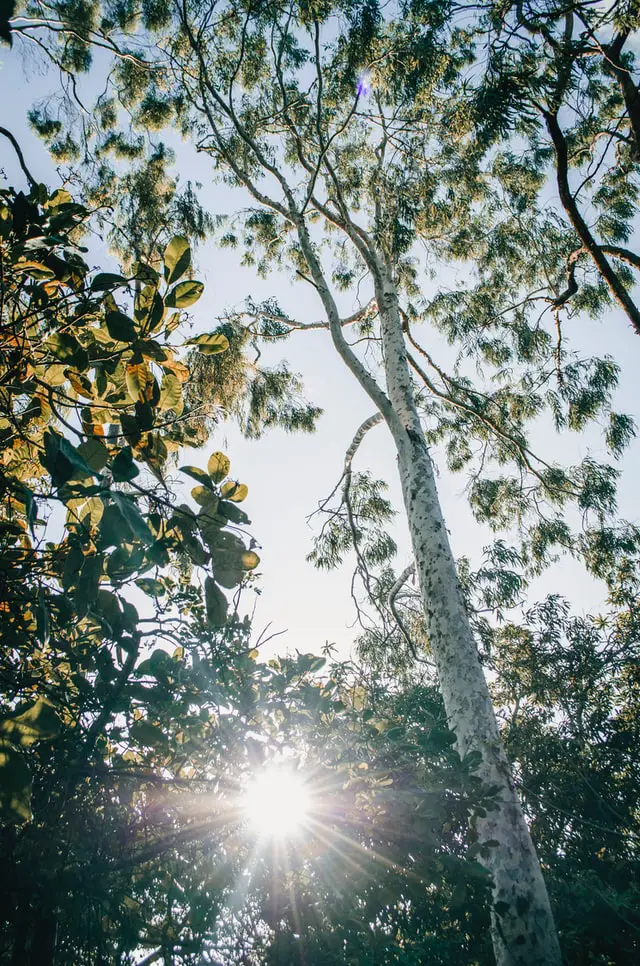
x=177 y=259
x=218 y=466
x=184 y=295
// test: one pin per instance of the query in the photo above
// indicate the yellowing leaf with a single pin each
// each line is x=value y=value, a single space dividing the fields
x=218 y=466
x=254 y=654
x=237 y=492
x=40 y=722
x=139 y=379
x=35 y=269
x=250 y=560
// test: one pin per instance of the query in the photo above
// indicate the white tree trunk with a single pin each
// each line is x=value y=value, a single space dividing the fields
x=523 y=929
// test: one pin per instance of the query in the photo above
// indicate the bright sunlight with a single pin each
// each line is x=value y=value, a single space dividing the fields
x=277 y=802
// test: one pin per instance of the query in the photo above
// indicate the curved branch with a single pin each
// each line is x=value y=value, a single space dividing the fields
x=589 y=243
x=391 y=600
x=32 y=181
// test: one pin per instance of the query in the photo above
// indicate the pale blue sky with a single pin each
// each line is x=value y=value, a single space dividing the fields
x=288 y=475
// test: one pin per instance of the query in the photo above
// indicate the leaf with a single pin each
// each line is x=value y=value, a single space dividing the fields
x=205 y=497
x=107 y=280
x=15 y=786
x=139 y=380
x=149 y=307
x=177 y=259
x=184 y=295
x=210 y=344
x=229 y=511
x=94 y=453
x=120 y=327
x=133 y=517
x=59 y=197
x=216 y=603
x=67 y=349
x=180 y=371
x=40 y=722
x=197 y=474
x=171 y=394
x=35 y=270
x=218 y=466
x=62 y=460
x=237 y=492
x=229 y=578
x=250 y=560
x=148 y=734
x=123 y=467
x=151 y=587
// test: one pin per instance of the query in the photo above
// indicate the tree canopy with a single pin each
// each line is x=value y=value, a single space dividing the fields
x=466 y=174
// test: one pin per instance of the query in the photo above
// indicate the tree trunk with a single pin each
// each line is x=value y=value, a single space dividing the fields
x=523 y=929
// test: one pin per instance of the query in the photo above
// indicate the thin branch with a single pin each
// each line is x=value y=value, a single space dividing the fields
x=32 y=181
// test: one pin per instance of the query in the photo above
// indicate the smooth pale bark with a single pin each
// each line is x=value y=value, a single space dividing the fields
x=523 y=928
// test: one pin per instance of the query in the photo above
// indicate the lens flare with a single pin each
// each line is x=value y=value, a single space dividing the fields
x=363 y=88
x=277 y=803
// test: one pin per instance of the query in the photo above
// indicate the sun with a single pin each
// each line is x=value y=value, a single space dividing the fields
x=277 y=802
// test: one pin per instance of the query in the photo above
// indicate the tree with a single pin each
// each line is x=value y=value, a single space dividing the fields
x=569 y=67
x=376 y=160
x=91 y=407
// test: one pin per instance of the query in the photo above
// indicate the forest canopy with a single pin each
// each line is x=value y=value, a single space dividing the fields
x=434 y=174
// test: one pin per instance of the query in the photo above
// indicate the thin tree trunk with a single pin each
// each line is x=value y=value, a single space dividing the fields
x=523 y=929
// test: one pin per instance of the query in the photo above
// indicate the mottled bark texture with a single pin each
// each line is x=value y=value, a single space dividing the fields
x=522 y=922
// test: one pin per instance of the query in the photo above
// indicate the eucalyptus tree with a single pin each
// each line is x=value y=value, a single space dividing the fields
x=565 y=76
x=354 y=137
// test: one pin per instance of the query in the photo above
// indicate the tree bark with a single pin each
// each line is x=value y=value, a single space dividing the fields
x=523 y=929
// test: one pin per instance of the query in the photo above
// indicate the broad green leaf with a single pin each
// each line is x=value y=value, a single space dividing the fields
x=149 y=308
x=123 y=467
x=229 y=578
x=229 y=511
x=114 y=529
x=216 y=603
x=134 y=518
x=66 y=348
x=210 y=344
x=177 y=259
x=237 y=492
x=148 y=734
x=107 y=609
x=40 y=722
x=107 y=280
x=218 y=467
x=94 y=453
x=15 y=786
x=184 y=295
x=197 y=474
x=62 y=460
x=205 y=497
x=120 y=327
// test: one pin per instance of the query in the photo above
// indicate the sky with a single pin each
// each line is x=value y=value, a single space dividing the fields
x=288 y=475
